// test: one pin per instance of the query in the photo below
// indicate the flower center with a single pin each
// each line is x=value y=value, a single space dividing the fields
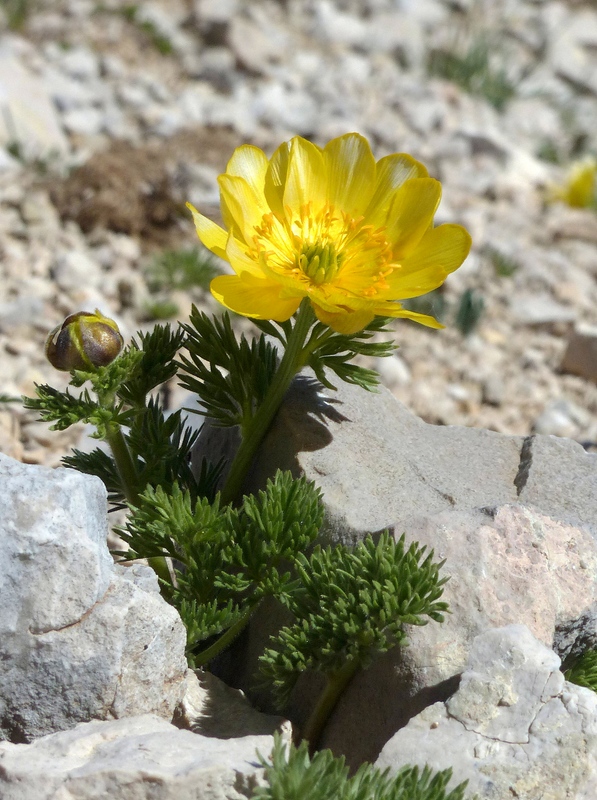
x=322 y=249
x=319 y=262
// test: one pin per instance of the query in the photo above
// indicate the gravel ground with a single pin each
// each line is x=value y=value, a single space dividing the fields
x=114 y=115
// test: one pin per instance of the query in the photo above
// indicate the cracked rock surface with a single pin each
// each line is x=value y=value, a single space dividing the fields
x=512 y=517
x=514 y=727
x=213 y=709
x=143 y=757
x=380 y=465
x=80 y=638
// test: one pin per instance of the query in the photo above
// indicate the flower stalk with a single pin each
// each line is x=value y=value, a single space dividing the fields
x=124 y=462
x=292 y=362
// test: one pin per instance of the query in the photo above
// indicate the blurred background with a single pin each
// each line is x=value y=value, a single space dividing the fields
x=113 y=114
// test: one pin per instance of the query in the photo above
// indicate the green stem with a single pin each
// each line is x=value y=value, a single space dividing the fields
x=226 y=638
x=291 y=363
x=336 y=684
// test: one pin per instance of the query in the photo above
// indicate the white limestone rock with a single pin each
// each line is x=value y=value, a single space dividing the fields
x=379 y=465
x=80 y=639
x=514 y=727
x=513 y=566
x=513 y=518
x=142 y=757
x=212 y=708
x=541 y=309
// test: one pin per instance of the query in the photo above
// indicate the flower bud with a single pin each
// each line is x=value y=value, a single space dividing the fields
x=84 y=341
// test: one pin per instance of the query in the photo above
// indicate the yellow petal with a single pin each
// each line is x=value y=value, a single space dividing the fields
x=242 y=207
x=305 y=180
x=211 y=235
x=236 y=254
x=250 y=163
x=411 y=213
x=344 y=322
x=414 y=285
x=275 y=179
x=253 y=297
x=441 y=251
x=422 y=319
x=350 y=170
x=390 y=173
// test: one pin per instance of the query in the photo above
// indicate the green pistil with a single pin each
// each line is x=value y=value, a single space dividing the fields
x=320 y=263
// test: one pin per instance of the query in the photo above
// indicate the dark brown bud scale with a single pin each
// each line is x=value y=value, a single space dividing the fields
x=84 y=341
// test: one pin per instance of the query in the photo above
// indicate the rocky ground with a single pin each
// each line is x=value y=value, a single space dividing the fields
x=113 y=115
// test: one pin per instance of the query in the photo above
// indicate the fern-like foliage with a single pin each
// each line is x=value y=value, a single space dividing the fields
x=331 y=351
x=64 y=409
x=155 y=366
x=292 y=775
x=206 y=620
x=163 y=446
x=229 y=376
x=279 y=523
x=351 y=604
x=226 y=559
x=583 y=671
x=171 y=524
x=336 y=352
x=106 y=381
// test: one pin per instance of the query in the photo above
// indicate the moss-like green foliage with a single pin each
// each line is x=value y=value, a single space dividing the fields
x=583 y=671
x=161 y=43
x=292 y=775
x=17 y=12
x=504 y=265
x=181 y=269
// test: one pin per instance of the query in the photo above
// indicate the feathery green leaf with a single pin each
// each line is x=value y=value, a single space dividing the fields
x=350 y=604
x=230 y=376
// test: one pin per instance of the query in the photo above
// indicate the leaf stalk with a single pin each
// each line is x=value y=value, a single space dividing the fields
x=127 y=469
x=336 y=684
x=227 y=638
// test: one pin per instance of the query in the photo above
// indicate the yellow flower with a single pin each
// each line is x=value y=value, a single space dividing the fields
x=330 y=224
x=579 y=189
